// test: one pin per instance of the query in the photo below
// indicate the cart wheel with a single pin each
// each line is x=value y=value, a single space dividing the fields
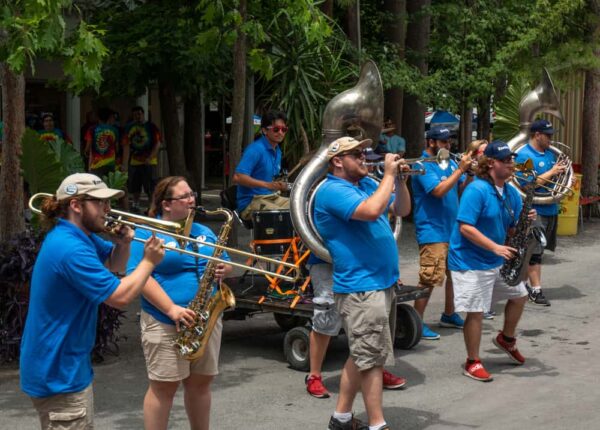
x=296 y=345
x=408 y=327
x=288 y=322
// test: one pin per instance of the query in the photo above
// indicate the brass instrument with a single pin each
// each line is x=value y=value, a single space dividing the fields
x=115 y=217
x=442 y=158
x=360 y=107
x=191 y=342
x=543 y=99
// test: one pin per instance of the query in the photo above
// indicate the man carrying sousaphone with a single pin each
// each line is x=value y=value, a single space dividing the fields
x=350 y=214
x=546 y=166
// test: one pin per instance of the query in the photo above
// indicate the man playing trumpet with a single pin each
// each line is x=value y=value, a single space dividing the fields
x=351 y=216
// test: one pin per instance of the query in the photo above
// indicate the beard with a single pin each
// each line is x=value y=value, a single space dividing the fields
x=92 y=223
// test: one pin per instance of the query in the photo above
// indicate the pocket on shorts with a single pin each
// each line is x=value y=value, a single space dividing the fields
x=368 y=338
x=68 y=419
x=431 y=274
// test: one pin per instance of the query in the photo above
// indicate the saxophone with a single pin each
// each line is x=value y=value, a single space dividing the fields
x=191 y=341
x=514 y=269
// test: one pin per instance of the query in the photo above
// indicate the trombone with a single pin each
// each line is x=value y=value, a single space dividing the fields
x=174 y=229
x=442 y=158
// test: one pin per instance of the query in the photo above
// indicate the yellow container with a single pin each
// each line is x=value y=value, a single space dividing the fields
x=569 y=210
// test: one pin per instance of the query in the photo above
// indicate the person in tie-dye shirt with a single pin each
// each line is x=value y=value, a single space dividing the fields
x=141 y=141
x=101 y=144
x=50 y=133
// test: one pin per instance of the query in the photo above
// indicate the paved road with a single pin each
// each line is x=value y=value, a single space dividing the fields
x=558 y=388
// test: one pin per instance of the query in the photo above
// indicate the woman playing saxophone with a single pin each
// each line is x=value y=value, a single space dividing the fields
x=166 y=295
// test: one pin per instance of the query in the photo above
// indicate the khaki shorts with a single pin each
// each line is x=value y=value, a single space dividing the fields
x=365 y=317
x=162 y=361
x=265 y=202
x=432 y=262
x=69 y=411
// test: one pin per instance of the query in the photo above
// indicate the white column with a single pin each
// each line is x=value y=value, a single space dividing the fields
x=73 y=125
x=143 y=102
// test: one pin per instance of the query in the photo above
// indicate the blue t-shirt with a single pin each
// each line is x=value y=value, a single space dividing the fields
x=481 y=207
x=259 y=161
x=364 y=253
x=542 y=162
x=176 y=273
x=434 y=217
x=68 y=284
x=393 y=143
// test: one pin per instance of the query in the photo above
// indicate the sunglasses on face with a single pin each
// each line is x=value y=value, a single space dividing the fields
x=278 y=128
x=506 y=160
x=358 y=153
x=186 y=196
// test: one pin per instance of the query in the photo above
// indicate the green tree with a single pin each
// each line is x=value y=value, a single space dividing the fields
x=30 y=30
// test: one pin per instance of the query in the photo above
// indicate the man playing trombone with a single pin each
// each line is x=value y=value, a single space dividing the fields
x=546 y=167
x=73 y=274
x=351 y=216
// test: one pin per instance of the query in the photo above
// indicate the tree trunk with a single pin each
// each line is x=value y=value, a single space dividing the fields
x=417 y=42
x=239 y=93
x=327 y=8
x=192 y=132
x=351 y=26
x=590 y=135
x=483 y=118
x=466 y=125
x=394 y=33
x=169 y=108
x=591 y=113
x=12 y=220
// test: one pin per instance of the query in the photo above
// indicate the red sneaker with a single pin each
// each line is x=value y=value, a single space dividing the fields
x=391 y=381
x=477 y=371
x=315 y=387
x=510 y=348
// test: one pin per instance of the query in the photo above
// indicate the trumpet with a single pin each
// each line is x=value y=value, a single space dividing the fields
x=442 y=158
x=114 y=218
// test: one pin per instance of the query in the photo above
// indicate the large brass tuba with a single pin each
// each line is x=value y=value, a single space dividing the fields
x=360 y=107
x=543 y=99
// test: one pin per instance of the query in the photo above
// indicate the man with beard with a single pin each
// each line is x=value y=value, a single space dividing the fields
x=75 y=271
x=351 y=216
x=261 y=162
x=546 y=167
x=489 y=207
x=436 y=203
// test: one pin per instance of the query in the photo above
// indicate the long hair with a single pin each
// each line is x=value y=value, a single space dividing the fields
x=162 y=192
x=53 y=209
x=484 y=167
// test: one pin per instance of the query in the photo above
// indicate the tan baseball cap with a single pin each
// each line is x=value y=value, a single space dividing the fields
x=80 y=184
x=344 y=144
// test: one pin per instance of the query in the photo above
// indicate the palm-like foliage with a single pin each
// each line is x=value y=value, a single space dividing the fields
x=308 y=72
x=507 y=110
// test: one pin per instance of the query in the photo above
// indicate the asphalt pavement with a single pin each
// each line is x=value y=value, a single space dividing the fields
x=557 y=388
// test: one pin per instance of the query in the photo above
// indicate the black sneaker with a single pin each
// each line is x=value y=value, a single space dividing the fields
x=353 y=424
x=537 y=297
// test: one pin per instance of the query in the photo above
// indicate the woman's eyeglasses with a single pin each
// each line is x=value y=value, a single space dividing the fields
x=186 y=196
x=277 y=128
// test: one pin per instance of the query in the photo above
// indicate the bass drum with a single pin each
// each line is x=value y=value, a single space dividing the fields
x=395 y=221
